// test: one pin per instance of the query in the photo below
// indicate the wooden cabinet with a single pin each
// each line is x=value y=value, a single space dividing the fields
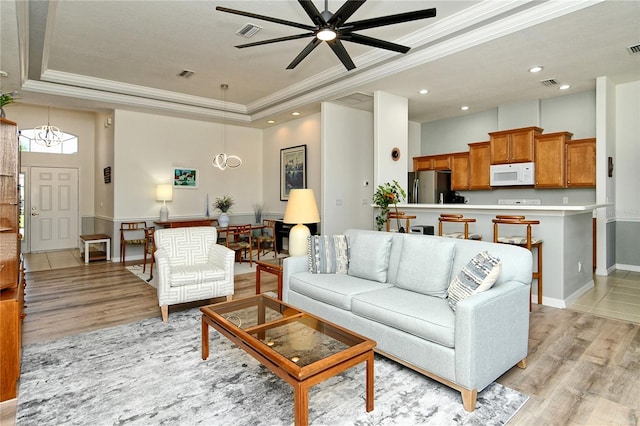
x=479 y=165
x=11 y=275
x=513 y=146
x=460 y=171
x=550 y=161
x=432 y=162
x=581 y=163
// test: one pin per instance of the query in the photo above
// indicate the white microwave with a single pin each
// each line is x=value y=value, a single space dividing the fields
x=513 y=174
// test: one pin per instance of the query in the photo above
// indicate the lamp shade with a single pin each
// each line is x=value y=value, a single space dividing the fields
x=164 y=192
x=301 y=207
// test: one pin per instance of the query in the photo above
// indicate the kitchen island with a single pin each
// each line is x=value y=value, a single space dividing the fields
x=567 y=232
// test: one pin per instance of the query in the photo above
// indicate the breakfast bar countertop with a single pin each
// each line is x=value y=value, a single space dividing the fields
x=564 y=208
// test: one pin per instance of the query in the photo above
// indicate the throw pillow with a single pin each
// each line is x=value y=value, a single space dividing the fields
x=369 y=256
x=478 y=275
x=328 y=254
x=425 y=265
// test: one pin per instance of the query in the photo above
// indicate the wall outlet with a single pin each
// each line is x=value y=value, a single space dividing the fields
x=565 y=200
x=338 y=202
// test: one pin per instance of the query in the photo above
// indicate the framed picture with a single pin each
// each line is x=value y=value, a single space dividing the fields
x=185 y=177
x=293 y=170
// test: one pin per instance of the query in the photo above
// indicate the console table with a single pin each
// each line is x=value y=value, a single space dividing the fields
x=184 y=223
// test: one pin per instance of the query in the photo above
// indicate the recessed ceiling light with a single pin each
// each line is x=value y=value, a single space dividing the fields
x=295 y=113
x=564 y=87
x=464 y=107
x=537 y=68
x=271 y=121
x=424 y=91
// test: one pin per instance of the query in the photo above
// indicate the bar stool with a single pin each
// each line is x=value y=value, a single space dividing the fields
x=528 y=242
x=399 y=215
x=446 y=217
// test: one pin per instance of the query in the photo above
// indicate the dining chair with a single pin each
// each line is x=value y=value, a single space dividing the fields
x=239 y=238
x=131 y=233
x=149 y=249
x=267 y=237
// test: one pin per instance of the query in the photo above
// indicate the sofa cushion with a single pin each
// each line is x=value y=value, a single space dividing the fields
x=425 y=265
x=195 y=274
x=369 y=256
x=328 y=254
x=424 y=316
x=478 y=275
x=336 y=290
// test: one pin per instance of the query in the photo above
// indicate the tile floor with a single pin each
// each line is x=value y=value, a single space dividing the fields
x=615 y=296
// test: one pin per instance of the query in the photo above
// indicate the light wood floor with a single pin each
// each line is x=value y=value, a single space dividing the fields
x=583 y=369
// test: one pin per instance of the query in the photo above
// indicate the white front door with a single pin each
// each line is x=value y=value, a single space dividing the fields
x=54 y=208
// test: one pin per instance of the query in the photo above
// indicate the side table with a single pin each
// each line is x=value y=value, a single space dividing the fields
x=96 y=239
x=272 y=266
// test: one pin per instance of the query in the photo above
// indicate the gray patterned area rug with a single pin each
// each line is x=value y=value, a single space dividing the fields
x=151 y=373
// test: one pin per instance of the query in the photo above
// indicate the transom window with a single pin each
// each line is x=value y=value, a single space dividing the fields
x=28 y=143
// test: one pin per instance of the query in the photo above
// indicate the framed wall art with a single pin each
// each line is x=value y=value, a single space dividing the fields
x=185 y=177
x=293 y=170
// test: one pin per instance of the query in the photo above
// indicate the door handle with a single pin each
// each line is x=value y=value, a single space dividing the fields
x=35 y=214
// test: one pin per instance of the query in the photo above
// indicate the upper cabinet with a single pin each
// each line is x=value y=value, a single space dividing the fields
x=432 y=162
x=581 y=163
x=479 y=165
x=460 y=171
x=550 y=159
x=513 y=146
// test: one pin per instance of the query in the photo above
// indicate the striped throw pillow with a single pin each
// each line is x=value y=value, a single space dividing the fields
x=328 y=254
x=478 y=275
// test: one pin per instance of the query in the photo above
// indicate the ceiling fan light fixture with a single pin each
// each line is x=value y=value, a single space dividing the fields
x=326 y=34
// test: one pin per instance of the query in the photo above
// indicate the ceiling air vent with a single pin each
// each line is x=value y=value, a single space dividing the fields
x=550 y=82
x=186 y=73
x=633 y=50
x=355 y=98
x=248 y=30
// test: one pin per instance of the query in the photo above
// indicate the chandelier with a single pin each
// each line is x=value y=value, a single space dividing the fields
x=48 y=135
x=222 y=160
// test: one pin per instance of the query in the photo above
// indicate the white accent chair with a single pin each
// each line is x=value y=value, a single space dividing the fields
x=191 y=266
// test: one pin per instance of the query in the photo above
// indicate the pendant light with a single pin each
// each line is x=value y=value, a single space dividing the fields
x=222 y=160
x=48 y=135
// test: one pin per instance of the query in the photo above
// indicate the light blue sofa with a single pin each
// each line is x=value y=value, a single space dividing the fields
x=466 y=349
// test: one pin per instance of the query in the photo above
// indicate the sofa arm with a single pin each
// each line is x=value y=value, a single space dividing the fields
x=292 y=265
x=491 y=333
x=163 y=269
x=222 y=257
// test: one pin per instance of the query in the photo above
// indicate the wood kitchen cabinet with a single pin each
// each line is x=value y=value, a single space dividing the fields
x=549 y=151
x=479 y=165
x=11 y=273
x=460 y=171
x=513 y=146
x=581 y=163
x=432 y=162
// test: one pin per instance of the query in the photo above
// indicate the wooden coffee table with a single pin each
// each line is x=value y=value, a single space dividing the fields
x=272 y=266
x=298 y=347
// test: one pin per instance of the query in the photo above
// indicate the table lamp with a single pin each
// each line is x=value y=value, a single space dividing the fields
x=164 y=193
x=301 y=208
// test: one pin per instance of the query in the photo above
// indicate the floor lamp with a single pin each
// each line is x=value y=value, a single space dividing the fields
x=301 y=208
x=164 y=193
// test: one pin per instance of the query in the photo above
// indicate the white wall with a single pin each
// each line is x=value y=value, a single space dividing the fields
x=148 y=146
x=347 y=163
x=390 y=130
x=303 y=131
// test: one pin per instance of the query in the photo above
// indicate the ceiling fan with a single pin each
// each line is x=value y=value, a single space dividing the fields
x=333 y=29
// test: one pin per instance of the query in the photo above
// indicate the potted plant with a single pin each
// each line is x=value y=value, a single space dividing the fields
x=385 y=195
x=6 y=99
x=223 y=204
x=258 y=210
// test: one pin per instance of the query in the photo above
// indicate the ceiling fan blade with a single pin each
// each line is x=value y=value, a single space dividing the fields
x=308 y=49
x=374 y=42
x=389 y=20
x=275 y=40
x=313 y=12
x=341 y=53
x=345 y=12
x=266 y=18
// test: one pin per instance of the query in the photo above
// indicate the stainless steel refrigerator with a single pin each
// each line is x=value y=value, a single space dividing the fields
x=429 y=187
